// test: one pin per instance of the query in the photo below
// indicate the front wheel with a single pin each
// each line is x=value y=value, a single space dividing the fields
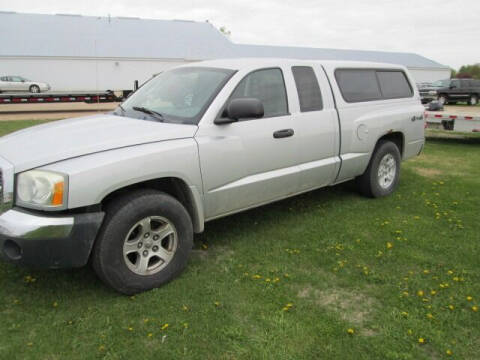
x=473 y=100
x=442 y=99
x=144 y=242
x=383 y=171
x=34 y=89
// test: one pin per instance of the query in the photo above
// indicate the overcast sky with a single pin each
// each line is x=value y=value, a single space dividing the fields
x=447 y=31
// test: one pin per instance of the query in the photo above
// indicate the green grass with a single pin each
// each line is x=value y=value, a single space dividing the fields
x=285 y=281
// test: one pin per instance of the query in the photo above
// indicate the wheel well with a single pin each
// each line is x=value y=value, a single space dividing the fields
x=397 y=138
x=172 y=186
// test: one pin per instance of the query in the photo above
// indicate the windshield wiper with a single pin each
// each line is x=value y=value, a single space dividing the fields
x=155 y=114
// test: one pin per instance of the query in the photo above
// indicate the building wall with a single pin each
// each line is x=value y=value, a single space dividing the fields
x=429 y=75
x=85 y=74
x=90 y=74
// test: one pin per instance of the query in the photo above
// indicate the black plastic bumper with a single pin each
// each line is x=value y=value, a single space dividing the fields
x=46 y=241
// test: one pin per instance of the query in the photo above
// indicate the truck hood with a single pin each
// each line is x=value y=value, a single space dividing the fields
x=60 y=140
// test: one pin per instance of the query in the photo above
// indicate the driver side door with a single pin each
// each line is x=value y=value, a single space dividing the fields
x=251 y=161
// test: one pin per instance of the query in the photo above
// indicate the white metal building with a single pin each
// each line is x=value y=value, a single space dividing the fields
x=73 y=52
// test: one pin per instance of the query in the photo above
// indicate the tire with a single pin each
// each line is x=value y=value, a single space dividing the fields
x=473 y=100
x=34 y=89
x=386 y=155
x=123 y=221
x=442 y=99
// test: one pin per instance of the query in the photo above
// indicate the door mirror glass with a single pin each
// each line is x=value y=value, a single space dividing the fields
x=242 y=108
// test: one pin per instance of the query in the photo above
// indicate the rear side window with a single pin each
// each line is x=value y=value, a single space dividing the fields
x=394 y=84
x=307 y=88
x=358 y=85
x=267 y=86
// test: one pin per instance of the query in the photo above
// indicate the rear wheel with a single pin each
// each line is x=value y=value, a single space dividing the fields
x=34 y=89
x=383 y=171
x=144 y=242
x=473 y=100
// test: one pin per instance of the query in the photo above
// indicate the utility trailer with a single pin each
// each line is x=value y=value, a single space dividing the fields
x=461 y=123
x=59 y=97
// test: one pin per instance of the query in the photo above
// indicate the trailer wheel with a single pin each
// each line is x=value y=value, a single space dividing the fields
x=383 y=171
x=34 y=89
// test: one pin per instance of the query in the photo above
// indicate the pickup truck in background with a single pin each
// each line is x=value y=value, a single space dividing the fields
x=451 y=91
x=128 y=190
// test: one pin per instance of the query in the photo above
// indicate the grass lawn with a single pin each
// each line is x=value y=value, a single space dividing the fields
x=286 y=281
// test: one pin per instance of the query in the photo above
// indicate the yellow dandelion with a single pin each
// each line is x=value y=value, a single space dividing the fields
x=449 y=272
x=164 y=326
x=29 y=344
x=256 y=276
x=185 y=325
x=426 y=271
x=289 y=305
x=389 y=245
x=433 y=292
x=449 y=352
x=469 y=298
x=216 y=303
x=404 y=313
x=420 y=293
x=149 y=335
x=350 y=331
x=475 y=308
x=451 y=307
x=268 y=280
x=286 y=275
x=146 y=320
x=421 y=341
x=55 y=304
x=456 y=278
x=409 y=332
x=429 y=316
x=276 y=280
x=405 y=293
x=130 y=328
x=101 y=348
x=285 y=308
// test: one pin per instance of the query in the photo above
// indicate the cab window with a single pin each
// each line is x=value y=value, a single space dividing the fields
x=268 y=86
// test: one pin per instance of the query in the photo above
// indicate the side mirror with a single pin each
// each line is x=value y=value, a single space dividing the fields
x=243 y=108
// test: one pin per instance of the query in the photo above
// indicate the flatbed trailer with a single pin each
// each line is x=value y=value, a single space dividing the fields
x=58 y=97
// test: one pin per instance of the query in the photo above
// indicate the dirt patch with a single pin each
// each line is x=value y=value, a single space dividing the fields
x=352 y=306
x=426 y=172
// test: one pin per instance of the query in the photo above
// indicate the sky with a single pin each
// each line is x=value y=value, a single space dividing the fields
x=447 y=31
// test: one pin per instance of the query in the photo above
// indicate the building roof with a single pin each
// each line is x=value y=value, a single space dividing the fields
x=120 y=37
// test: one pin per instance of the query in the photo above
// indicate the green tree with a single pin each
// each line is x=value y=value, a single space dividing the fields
x=469 y=71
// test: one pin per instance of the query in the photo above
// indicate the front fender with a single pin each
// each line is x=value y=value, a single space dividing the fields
x=92 y=177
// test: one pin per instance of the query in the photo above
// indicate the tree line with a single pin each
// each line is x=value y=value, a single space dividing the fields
x=467 y=72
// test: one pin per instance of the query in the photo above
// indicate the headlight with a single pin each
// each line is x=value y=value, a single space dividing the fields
x=432 y=92
x=42 y=189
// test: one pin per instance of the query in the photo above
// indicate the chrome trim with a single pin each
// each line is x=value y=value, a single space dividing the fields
x=6 y=185
x=19 y=224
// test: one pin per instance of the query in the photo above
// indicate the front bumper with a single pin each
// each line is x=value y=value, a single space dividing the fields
x=47 y=241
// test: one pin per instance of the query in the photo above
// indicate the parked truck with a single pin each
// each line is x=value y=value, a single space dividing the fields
x=128 y=190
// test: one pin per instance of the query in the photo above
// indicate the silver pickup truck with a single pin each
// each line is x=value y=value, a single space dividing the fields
x=128 y=190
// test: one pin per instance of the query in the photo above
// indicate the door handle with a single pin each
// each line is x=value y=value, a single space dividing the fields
x=283 y=133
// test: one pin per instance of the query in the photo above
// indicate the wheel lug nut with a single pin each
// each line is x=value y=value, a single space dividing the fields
x=146 y=235
x=155 y=248
x=145 y=253
x=140 y=245
x=155 y=237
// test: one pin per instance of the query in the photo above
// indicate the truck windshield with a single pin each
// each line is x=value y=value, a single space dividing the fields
x=181 y=95
x=441 y=83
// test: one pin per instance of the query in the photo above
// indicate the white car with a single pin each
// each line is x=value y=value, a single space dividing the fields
x=19 y=83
